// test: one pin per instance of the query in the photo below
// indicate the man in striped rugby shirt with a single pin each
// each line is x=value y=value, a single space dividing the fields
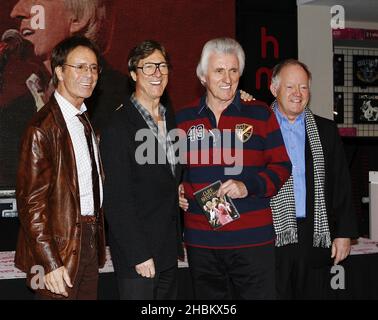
x=236 y=260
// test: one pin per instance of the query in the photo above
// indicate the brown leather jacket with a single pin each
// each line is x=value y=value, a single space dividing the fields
x=48 y=198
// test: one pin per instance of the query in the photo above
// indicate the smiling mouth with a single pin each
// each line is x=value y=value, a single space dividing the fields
x=86 y=85
x=26 y=32
x=155 y=82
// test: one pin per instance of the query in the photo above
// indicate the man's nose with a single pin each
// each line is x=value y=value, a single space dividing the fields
x=226 y=77
x=89 y=73
x=297 y=90
x=22 y=9
x=157 y=72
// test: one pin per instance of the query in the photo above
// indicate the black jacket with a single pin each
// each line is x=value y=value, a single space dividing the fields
x=140 y=201
x=338 y=195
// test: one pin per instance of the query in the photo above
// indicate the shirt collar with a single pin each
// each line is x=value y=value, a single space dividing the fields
x=236 y=102
x=138 y=105
x=68 y=109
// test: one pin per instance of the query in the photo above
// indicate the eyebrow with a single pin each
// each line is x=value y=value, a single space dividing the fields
x=83 y=63
x=156 y=62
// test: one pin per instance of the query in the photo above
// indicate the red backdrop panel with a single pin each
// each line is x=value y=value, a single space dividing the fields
x=182 y=26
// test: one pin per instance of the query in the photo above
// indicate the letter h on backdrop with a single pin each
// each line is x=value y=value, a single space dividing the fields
x=265 y=40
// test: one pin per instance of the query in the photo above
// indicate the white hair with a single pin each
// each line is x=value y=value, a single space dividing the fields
x=220 y=45
x=94 y=10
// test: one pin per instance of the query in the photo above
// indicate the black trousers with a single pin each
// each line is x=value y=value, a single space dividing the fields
x=246 y=273
x=299 y=273
x=162 y=287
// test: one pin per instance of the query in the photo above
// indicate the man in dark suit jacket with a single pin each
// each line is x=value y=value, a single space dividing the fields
x=313 y=216
x=140 y=198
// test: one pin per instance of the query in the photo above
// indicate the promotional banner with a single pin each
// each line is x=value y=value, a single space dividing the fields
x=29 y=30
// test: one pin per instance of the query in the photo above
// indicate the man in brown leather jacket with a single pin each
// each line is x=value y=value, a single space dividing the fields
x=59 y=183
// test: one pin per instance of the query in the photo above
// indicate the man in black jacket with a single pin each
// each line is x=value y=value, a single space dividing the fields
x=313 y=216
x=140 y=198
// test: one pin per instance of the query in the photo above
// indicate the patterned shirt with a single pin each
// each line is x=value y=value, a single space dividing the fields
x=159 y=130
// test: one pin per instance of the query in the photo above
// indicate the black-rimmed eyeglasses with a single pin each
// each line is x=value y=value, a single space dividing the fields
x=82 y=68
x=150 y=68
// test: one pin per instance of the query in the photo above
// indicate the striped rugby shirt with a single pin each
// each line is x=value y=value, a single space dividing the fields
x=265 y=168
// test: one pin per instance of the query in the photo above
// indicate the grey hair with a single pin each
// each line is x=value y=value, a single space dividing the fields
x=285 y=63
x=95 y=10
x=220 y=45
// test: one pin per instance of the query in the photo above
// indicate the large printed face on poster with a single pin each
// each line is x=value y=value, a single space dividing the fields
x=31 y=28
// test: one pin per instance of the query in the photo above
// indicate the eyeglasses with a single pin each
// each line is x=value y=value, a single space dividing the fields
x=82 y=68
x=150 y=68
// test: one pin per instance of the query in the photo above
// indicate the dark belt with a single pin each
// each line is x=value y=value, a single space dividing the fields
x=301 y=220
x=88 y=219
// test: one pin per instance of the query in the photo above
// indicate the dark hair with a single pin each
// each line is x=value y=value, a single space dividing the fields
x=289 y=62
x=64 y=48
x=143 y=50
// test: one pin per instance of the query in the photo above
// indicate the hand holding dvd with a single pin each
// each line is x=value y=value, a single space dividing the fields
x=219 y=210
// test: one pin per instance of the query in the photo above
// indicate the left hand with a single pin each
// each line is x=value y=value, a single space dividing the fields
x=245 y=96
x=183 y=202
x=340 y=249
x=233 y=188
x=146 y=269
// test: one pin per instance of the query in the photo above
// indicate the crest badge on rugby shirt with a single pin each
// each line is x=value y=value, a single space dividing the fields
x=244 y=131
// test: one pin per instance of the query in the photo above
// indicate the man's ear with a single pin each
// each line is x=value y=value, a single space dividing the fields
x=273 y=90
x=59 y=72
x=133 y=75
x=203 y=81
x=78 y=24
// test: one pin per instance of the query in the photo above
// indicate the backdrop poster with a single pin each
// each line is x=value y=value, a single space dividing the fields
x=29 y=29
x=365 y=71
x=365 y=107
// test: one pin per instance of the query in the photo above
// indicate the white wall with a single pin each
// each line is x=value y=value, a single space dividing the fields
x=315 y=50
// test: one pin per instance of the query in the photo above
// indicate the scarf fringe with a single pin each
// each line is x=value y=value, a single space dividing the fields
x=322 y=240
x=286 y=237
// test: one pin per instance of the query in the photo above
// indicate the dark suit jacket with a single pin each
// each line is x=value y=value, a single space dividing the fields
x=140 y=200
x=110 y=91
x=340 y=211
x=48 y=199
